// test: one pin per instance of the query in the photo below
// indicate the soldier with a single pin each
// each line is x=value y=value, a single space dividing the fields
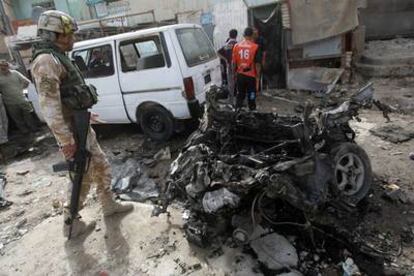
x=55 y=78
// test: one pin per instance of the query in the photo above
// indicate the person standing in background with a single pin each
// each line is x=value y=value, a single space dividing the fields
x=226 y=54
x=12 y=84
x=247 y=65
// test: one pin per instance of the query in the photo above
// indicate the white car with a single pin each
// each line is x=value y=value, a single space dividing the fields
x=154 y=77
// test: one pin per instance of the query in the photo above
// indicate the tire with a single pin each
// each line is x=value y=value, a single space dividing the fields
x=352 y=172
x=156 y=122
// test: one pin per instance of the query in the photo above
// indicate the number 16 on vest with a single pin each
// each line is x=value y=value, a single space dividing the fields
x=244 y=53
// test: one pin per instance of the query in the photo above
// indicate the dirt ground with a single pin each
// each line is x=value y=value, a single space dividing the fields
x=31 y=241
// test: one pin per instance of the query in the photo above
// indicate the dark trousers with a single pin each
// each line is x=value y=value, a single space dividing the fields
x=246 y=86
x=21 y=114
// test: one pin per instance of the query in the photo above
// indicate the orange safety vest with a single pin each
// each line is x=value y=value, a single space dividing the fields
x=244 y=54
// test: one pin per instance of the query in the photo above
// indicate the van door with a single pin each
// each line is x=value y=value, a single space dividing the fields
x=149 y=72
x=97 y=64
x=198 y=58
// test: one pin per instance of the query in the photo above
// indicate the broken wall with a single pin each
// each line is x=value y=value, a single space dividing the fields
x=320 y=39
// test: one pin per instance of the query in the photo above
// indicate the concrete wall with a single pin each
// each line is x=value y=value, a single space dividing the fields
x=388 y=18
x=229 y=15
x=165 y=10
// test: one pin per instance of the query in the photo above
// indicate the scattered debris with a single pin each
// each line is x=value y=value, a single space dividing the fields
x=19 y=213
x=21 y=223
x=132 y=182
x=394 y=193
x=23 y=173
x=163 y=154
x=3 y=202
x=215 y=200
x=25 y=193
x=393 y=133
x=350 y=268
x=275 y=251
x=385 y=108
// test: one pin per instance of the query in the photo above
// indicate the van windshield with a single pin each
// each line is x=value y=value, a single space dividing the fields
x=196 y=46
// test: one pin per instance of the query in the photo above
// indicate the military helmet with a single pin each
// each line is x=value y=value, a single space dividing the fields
x=57 y=21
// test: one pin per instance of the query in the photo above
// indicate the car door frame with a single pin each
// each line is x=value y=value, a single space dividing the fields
x=110 y=106
x=168 y=93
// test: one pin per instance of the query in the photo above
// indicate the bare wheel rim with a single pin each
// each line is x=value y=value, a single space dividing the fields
x=155 y=123
x=350 y=174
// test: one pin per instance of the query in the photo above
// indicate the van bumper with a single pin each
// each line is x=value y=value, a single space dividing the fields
x=195 y=108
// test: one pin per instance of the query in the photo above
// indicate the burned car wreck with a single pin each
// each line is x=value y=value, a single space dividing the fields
x=244 y=169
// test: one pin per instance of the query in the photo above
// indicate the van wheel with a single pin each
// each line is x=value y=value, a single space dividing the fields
x=156 y=122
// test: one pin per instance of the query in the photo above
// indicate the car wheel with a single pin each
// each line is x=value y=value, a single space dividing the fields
x=352 y=171
x=156 y=122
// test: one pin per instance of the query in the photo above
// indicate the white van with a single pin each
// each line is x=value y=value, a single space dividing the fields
x=154 y=77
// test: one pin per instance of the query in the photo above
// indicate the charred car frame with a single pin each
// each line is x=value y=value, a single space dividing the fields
x=245 y=162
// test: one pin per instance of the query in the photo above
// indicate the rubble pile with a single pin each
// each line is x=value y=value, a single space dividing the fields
x=265 y=180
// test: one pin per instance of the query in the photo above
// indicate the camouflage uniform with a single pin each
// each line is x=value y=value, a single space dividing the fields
x=48 y=74
x=61 y=89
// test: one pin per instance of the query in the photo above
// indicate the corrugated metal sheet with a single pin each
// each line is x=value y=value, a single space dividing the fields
x=258 y=3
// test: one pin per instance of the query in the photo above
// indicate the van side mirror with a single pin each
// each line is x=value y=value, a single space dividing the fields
x=80 y=63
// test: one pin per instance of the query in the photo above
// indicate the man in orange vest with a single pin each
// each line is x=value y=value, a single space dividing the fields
x=247 y=64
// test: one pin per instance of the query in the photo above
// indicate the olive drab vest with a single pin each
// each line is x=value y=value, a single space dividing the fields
x=75 y=93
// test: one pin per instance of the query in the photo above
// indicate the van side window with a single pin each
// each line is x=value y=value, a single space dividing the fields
x=196 y=46
x=95 y=62
x=142 y=54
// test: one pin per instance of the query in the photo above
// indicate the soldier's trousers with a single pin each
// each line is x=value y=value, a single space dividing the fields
x=98 y=173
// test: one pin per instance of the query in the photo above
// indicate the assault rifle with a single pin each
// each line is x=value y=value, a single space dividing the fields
x=78 y=165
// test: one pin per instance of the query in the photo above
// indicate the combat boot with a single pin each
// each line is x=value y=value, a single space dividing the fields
x=79 y=227
x=112 y=207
